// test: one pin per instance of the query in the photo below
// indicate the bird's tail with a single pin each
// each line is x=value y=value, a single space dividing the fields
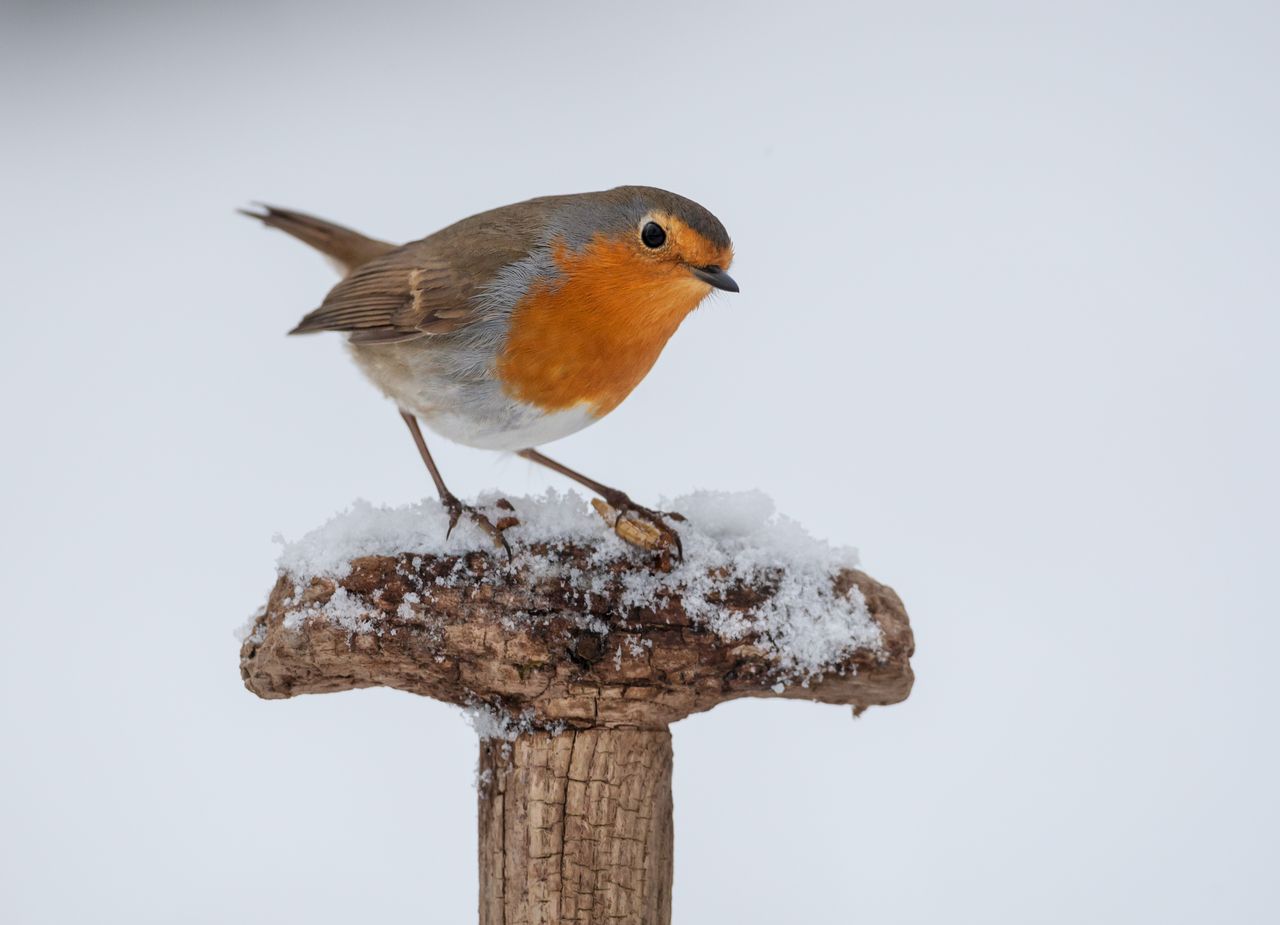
x=349 y=249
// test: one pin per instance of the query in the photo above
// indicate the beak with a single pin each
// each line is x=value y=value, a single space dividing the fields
x=714 y=276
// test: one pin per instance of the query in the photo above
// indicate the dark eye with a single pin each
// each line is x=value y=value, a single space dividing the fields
x=652 y=235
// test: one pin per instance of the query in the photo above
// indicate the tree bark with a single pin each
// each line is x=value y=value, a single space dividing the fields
x=575 y=828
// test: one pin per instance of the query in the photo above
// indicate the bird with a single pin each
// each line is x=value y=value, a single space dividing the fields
x=520 y=325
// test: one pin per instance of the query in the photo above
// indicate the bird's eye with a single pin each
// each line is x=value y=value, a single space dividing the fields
x=652 y=235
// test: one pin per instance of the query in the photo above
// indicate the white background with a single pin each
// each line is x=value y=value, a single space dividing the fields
x=1008 y=323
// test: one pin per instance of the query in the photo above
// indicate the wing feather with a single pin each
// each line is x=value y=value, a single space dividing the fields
x=400 y=296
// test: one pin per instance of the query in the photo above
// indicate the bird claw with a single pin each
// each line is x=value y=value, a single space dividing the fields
x=640 y=526
x=456 y=509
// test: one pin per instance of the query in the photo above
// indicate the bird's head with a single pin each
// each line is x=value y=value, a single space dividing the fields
x=644 y=241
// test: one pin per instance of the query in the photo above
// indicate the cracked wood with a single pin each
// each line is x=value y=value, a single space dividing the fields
x=575 y=828
x=458 y=642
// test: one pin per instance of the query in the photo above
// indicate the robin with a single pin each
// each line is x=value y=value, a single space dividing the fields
x=523 y=324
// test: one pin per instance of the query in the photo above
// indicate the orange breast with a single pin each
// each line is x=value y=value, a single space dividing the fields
x=589 y=337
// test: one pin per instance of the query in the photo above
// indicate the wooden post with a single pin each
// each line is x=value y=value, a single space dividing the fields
x=576 y=827
x=579 y=689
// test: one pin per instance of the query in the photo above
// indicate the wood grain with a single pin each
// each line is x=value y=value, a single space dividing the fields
x=576 y=828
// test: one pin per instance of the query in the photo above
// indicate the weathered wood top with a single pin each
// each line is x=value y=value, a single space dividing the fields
x=560 y=636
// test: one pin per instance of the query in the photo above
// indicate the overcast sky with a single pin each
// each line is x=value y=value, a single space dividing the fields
x=1008 y=323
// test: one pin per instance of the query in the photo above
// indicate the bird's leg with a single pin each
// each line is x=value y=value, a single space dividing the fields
x=618 y=500
x=450 y=501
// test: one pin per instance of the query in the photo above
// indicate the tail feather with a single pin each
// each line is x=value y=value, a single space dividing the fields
x=348 y=248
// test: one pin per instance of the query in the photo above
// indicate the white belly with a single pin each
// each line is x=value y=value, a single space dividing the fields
x=459 y=398
x=537 y=430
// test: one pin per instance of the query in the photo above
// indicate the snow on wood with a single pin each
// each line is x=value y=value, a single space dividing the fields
x=577 y=627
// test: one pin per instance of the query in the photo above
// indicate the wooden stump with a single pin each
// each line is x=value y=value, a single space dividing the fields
x=576 y=682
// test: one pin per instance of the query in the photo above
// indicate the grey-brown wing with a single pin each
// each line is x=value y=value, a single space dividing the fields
x=397 y=297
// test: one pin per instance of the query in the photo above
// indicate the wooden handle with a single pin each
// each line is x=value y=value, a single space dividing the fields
x=576 y=828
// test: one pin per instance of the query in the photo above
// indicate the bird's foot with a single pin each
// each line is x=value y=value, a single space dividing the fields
x=495 y=530
x=640 y=526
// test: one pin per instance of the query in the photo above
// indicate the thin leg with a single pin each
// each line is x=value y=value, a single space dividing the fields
x=604 y=491
x=445 y=494
x=455 y=507
x=618 y=500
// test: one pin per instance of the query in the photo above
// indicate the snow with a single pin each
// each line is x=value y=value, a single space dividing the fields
x=495 y=723
x=729 y=537
x=368 y=530
x=253 y=630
